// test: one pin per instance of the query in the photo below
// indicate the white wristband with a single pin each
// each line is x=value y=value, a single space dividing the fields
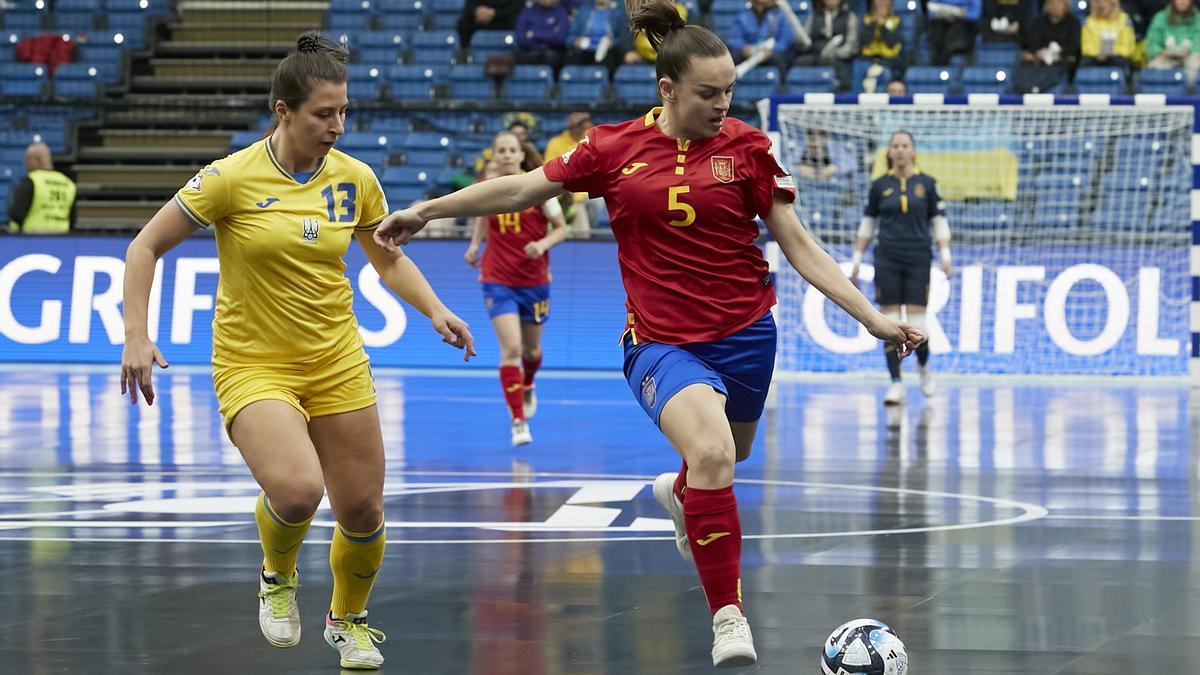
x=856 y=258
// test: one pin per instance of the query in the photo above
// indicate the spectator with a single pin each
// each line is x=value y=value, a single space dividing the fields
x=1173 y=40
x=577 y=127
x=762 y=27
x=43 y=202
x=833 y=31
x=542 y=33
x=599 y=34
x=1002 y=19
x=880 y=37
x=1107 y=36
x=897 y=88
x=580 y=211
x=487 y=15
x=951 y=28
x=1049 y=49
x=643 y=51
x=824 y=159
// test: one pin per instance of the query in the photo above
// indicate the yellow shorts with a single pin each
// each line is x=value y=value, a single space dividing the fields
x=341 y=385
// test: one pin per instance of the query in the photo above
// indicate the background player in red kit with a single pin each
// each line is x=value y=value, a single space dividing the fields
x=516 y=280
x=683 y=185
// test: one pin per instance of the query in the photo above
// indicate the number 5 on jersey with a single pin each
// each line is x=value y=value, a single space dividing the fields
x=673 y=204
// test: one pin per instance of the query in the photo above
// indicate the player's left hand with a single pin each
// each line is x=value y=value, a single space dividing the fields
x=454 y=332
x=535 y=250
x=905 y=337
x=398 y=228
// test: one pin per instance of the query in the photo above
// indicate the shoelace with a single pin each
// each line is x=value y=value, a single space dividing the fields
x=362 y=634
x=733 y=629
x=280 y=596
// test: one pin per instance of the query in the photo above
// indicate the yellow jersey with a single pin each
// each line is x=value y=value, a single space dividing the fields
x=283 y=295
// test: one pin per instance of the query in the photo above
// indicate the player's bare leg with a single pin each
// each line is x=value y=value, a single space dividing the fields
x=694 y=422
x=531 y=361
x=350 y=446
x=895 y=392
x=916 y=317
x=273 y=439
x=512 y=381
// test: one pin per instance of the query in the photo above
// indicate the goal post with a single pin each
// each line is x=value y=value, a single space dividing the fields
x=1075 y=245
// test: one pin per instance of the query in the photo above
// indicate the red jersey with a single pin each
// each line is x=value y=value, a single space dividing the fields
x=504 y=259
x=683 y=216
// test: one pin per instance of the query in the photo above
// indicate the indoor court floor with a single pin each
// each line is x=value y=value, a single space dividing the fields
x=1003 y=526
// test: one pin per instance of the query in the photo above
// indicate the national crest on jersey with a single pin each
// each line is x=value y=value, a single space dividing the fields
x=722 y=169
x=283 y=295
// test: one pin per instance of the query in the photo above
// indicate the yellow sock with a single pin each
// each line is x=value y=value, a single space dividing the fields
x=354 y=558
x=280 y=539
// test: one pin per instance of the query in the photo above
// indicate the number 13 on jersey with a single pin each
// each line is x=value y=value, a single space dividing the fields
x=674 y=204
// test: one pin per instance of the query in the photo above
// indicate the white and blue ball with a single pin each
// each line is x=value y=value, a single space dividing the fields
x=864 y=647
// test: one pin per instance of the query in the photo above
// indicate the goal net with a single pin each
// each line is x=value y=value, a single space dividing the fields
x=1071 y=230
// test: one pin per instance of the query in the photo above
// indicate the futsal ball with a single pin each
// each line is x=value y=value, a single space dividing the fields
x=864 y=647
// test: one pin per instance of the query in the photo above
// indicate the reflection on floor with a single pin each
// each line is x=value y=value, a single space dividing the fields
x=1000 y=527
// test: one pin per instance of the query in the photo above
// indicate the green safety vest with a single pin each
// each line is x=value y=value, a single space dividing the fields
x=50 y=211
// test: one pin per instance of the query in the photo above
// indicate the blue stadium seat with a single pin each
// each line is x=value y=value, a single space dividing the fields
x=760 y=82
x=76 y=80
x=485 y=43
x=445 y=13
x=22 y=79
x=903 y=7
x=811 y=80
x=434 y=47
x=366 y=81
x=468 y=83
x=582 y=84
x=402 y=15
x=1100 y=80
x=74 y=20
x=152 y=7
x=347 y=22
x=986 y=80
x=636 y=84
x=428 y=150
x=859 y=76
x=129 y=22
x=406 y=175
x=1058 y=199
x=1169 y=82
x=931 y=79
x=529 y=83
x=381 y=48
x=24 y=20
x=412 y=82
x=722 y=19
x=997 y=54
x=1147 y=152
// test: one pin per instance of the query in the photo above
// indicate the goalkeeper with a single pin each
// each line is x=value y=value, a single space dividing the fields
x=904 y=208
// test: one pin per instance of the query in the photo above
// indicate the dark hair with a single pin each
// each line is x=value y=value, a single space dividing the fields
x=675 y=41
x=533 y=158
x=316 y=60
x=888 y=154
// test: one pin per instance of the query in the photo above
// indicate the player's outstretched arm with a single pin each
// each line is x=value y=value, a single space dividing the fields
x=820 y=270
x=498 y=195
x=405 y=279
x=165 y=230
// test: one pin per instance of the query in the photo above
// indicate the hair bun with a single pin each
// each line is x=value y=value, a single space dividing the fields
x=678 y=23
x=309 y=43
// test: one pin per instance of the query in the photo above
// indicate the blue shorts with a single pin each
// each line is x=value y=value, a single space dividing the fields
x=739 y=366
x=532 y=303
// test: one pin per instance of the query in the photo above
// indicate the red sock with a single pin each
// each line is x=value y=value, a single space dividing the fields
x=531 y=367
x=514 y=391
x=680 y=482
x=715 y=534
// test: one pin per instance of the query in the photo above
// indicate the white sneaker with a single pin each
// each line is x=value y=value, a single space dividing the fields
x=278 y=613
x=895 y=394
x=355 y=641
x=664 y=493
x=530 y=402
x=928 y=386
x=733 y=644
x=520 y=433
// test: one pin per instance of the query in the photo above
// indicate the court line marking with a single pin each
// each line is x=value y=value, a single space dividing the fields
x=1029 y=512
